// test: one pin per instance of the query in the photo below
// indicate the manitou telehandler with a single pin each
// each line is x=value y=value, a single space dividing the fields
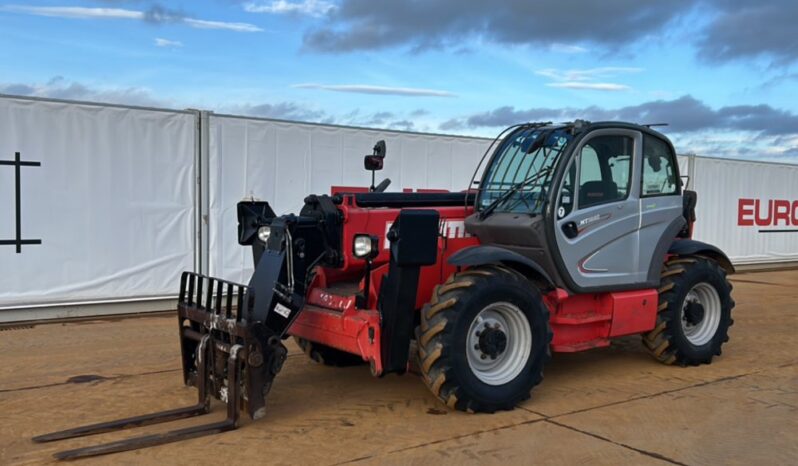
x=575 y=234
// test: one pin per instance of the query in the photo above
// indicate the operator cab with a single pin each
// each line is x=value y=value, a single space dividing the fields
x=594 y=205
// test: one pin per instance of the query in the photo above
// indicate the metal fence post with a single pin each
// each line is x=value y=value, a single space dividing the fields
x=203 y=199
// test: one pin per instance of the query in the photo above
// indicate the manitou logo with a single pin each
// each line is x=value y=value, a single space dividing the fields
x=446 y=228
x=771 y=213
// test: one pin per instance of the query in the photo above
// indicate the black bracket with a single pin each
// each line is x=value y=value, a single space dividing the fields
x=18 y=241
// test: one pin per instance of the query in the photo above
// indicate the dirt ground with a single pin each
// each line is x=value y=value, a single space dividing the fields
x=609 y=406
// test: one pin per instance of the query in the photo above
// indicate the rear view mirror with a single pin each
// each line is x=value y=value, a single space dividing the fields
x=374 y=161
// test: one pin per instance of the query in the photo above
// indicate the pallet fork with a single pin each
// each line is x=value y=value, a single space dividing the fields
x=227 y=353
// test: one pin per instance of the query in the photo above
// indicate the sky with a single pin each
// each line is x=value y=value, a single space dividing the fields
x=723 y=74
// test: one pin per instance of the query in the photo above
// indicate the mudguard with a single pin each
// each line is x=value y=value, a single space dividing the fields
x=685 y=247
x=483 y=255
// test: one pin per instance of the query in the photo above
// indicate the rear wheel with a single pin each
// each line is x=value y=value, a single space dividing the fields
x=694 y=315
x=327 y=355
x=483 y=340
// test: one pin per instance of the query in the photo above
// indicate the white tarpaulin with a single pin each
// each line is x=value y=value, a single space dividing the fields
x=112 y=202
x=747 y=209
x=283 y=162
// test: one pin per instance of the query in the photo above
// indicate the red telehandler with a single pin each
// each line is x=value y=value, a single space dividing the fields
x=577 y=233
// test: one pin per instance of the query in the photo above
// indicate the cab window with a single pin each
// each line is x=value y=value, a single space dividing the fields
x=659 y=169
x=605 y=170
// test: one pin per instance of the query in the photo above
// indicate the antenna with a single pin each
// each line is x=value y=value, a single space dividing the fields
x=655 y=124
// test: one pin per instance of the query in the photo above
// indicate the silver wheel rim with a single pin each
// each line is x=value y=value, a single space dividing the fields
x=510 y=320
x=700 y=333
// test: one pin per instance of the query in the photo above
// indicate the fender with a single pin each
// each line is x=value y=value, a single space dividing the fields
x=684 y=247
x=483 y=255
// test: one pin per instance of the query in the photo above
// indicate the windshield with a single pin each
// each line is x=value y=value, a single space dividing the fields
x=524 y=163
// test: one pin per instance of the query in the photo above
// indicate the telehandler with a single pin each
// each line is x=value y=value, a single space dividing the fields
x=574 y=234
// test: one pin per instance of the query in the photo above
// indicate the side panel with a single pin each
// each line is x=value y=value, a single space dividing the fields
x=585 y=321
x=633 y=312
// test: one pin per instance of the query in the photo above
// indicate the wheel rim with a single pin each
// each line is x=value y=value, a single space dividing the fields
x=701 y=312
x=499 y=343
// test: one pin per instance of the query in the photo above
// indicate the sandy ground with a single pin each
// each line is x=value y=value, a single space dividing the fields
x=610 y=406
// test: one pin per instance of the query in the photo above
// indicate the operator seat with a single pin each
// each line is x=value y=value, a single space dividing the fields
x=597 y=192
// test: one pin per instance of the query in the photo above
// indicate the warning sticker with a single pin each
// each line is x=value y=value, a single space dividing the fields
x=282 y=310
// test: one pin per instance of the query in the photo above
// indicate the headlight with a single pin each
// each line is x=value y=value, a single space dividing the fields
x=365 y=246
x=264 y=233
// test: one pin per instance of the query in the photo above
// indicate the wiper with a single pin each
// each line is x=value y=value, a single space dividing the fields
x=513 y=189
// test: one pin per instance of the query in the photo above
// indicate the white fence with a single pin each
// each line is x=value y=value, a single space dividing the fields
x=283 y=162
x=126 y=198
x=112 y=202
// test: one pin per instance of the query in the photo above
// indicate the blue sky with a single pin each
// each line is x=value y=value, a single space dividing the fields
x=721 y=72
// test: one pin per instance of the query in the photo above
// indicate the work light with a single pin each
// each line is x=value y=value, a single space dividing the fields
x=365 y=246
x=264 y=233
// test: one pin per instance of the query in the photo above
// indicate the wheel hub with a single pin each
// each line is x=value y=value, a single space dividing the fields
x=701 y=314
x=492 y=342
x=499 y=343
x=694 y=313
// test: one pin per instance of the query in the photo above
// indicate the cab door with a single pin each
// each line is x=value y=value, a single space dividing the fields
x=597 y=213
x=661 y=206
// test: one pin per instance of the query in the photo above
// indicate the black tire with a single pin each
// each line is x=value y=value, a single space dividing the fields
x=328 y=356
x=443 y=335
x=668 y=342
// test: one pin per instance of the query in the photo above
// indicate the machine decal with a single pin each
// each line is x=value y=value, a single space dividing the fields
x=448 y=229
x=585 y=223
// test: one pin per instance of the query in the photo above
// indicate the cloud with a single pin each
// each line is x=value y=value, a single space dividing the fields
x=282 y=111
x=586 y=74
x=155 y=14
x=380 y=90
x=235 y=27
x=403 y=125
x=76 y=12
x=684 y=115
x=378 y=118
x=566 y=48
x=60 y=88
x=453 y=124
x=721 y=30
x=751 y=29
x=590 y=86
x=583 y=79
x=315 y=8
x=159 y=42
x=376 y=24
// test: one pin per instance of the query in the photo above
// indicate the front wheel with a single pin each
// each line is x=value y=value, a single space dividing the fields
x=483 y=340
x=694 y=315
